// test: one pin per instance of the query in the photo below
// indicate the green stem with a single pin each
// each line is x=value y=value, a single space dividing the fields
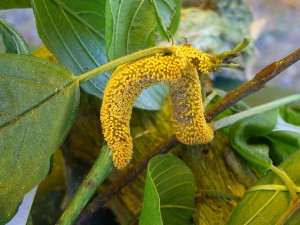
x=115 y=63
x=287 y=181
x=290 y=211
x=100 y=170
x=253 y=111
x=234 y=52
x=231 y=65
x=209 y=98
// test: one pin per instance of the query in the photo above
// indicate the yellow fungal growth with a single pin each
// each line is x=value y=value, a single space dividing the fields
x=179 y=71
x=202 y=61
x=188 y=119
x=124 y=86
x=44 y=53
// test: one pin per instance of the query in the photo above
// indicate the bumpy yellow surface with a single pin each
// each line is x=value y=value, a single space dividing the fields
x=44 y=53
x=188 y=119
x=179 y=71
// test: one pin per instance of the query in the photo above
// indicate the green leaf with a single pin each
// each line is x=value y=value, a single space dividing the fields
x=264 y=133
x=130 y=27
x=8 y=4
x=284 y=138
x=39 y=101
x=245 y=138
x=283 y=144
x=74 y=33
x=168 y=15
x=169 y=196
x=291 y=114
x=269 y=200
x=12 y=39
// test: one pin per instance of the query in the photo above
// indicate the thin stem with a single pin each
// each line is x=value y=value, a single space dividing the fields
x=287 y=181
x=89 y=186
x=253 y=85
x=253 y=111
x=290 y=211
x=209 y=98
x=230 y=65
x=234 y=52
x=115 y=63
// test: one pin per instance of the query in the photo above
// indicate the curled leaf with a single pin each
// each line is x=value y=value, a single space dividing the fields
x=169 y=196
x=245 y=138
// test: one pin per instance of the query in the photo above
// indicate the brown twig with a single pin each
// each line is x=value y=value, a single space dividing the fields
x=229 y=99
x=258 y=82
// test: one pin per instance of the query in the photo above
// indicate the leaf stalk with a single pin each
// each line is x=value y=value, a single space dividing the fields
x=100 y=170
x=287 y=181
x=115 y=63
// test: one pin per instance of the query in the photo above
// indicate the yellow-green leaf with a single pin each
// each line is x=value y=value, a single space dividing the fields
x=270 y=202
x=169 y=196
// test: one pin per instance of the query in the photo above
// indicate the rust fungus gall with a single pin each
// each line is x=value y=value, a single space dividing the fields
x=179 y=71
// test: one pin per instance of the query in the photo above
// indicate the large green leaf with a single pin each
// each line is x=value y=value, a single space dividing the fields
x=8 y=4
x=168 y=15
x=14 y=42
x=130 y=26
x=74 y=32
x=270 y=203
x=169 y=196
x=39 y=101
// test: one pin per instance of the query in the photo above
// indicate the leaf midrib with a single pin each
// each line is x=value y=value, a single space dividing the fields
x=262 y=208
x=45 y=100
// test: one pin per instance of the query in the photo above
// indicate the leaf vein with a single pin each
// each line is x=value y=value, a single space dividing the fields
x=130 y=25
x=28 y=81
x=25 y=113
x=80 y=41
x=62 y=40
x=72 y=13
x=173 y=187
